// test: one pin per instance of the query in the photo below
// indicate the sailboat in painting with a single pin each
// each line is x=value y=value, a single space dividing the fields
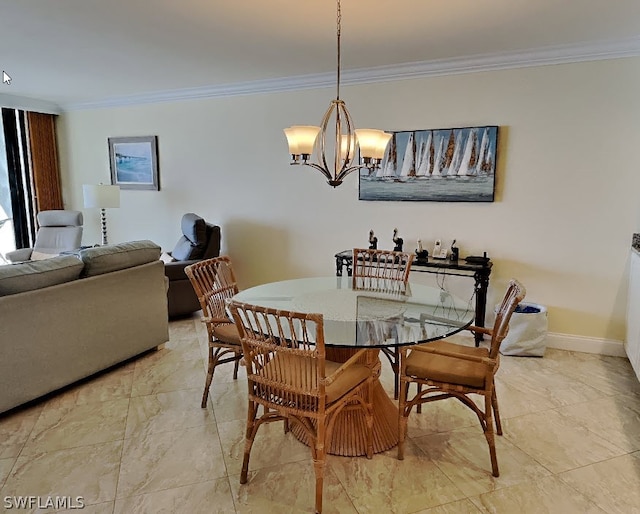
x=469 y=158
x=388 y=171
x=447 y=158
x=409 y=161
x=425 y=157
x=456 y=159
x=416 y=161
x=439 y=161
x=485 y=160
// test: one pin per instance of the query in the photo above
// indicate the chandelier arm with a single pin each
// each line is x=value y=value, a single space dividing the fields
x=351 y=147
x=321 y=169
x=345 y=171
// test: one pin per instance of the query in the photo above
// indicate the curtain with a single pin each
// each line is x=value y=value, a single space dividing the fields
x=44 y=161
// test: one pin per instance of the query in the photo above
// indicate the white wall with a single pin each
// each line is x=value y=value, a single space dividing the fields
x=567 y=181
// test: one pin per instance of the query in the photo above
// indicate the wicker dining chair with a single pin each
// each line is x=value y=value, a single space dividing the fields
x=291 y=378
x=214 y=283
x=383 y=271
x=450 y=370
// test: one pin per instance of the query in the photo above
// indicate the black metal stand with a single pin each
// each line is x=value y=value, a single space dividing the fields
x=479 y=272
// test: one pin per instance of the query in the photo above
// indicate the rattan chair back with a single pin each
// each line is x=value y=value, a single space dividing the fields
x=514 y=295
x=214 y=283
x=284 y=355
x=381 y=270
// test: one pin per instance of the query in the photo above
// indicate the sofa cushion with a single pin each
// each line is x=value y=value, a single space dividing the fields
x=193 y=242
x=108 y=258
x=27 y=276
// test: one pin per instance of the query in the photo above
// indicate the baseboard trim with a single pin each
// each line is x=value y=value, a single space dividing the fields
x=586 y=344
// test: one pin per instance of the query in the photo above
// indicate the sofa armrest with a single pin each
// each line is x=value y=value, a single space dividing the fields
x=175 y=270
x=23 y=254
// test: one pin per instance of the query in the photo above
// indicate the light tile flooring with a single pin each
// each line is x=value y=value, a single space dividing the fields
x=134 y=440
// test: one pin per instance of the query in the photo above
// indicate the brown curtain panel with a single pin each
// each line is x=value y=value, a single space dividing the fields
x=44 y=161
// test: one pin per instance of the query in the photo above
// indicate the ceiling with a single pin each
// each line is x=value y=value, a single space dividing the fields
x=77 y=53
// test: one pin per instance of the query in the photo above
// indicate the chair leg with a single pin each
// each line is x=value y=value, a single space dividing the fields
x=249 y=437
x=318 y=463
x=235 y=367
x=419 y=406
x=402 y=418
x=319 y=469
x=210 y=368
x=488 y=433
x=396 y=370
x=496 y=411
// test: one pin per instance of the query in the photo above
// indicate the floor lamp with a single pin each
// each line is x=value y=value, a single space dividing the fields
x=101 y=197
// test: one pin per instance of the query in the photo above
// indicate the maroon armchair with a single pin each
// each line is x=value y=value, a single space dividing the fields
x=200 y=240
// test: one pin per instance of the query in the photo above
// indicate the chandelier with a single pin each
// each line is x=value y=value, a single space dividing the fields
x=337 y=138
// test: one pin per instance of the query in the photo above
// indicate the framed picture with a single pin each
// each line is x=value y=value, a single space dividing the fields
x=134 y=162
x=439 y=165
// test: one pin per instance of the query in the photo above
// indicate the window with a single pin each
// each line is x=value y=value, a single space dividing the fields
x=29 y=175
x=19 y=202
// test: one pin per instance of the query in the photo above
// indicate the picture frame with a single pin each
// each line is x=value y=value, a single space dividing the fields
x=435 y=165
x=134 y=162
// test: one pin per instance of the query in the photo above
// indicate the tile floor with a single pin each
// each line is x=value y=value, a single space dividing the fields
x=134 y=440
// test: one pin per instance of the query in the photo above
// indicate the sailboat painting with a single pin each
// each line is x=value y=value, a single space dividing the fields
x=439 y=165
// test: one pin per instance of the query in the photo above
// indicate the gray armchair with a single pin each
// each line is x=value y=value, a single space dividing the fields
x=59 y=231
x=200 y=240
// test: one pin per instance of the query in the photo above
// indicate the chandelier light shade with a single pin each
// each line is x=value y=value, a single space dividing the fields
x=101 y=197
x=336 y=140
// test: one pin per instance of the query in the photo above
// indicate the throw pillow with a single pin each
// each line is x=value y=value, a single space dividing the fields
x=40 y=256
x=166 y=258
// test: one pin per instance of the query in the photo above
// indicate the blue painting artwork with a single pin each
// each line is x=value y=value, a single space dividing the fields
x=133 y=162
x=440 y=165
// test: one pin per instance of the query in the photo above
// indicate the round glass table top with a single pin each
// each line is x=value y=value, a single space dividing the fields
x=356 y=318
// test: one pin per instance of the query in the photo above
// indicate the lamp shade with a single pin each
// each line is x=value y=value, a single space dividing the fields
x=101 y=196
x=301 y=138
x=381 y=146
x=372 y=142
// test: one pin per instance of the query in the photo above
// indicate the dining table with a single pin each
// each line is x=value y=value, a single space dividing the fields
x=356 y=318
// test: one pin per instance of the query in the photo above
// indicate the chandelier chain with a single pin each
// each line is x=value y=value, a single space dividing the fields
x=338 y=32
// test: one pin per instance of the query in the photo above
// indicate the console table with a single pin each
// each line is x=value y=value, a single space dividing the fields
x=479 y=272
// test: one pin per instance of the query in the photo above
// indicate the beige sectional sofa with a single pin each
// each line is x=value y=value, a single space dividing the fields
x=66 y=318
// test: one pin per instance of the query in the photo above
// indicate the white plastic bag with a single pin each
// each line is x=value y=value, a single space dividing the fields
x=527 y=331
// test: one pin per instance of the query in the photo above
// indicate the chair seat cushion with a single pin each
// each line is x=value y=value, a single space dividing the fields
x=287 y=369
x=442 y=368
x=349 y=379
x=227 y=333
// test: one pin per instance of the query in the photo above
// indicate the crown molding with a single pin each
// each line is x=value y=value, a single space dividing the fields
x=563 y=54
x=26 y=103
